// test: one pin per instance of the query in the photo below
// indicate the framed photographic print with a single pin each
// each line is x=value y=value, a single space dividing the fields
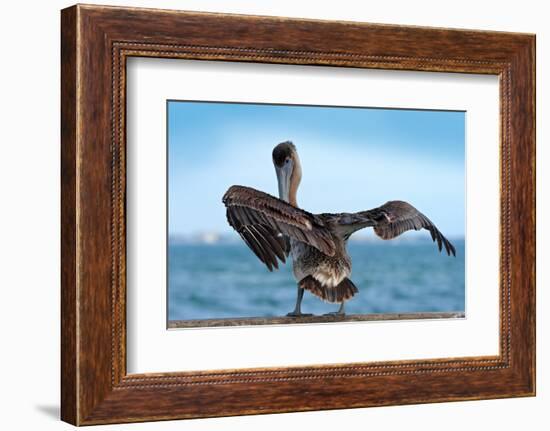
x=204 y=253
x=258 y=208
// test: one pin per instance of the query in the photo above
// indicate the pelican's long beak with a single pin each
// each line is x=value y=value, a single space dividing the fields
x=284 y=173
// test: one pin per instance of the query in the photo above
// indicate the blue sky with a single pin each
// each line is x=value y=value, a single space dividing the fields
x=352 y=159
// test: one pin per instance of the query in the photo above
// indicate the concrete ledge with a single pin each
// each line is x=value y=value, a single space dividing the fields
x=284 y=320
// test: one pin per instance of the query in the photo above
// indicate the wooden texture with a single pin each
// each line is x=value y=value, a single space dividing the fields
x=285 y=320
x=69 y=330
x=96 y=41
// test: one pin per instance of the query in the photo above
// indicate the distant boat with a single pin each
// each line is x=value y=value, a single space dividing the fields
x=209 y=237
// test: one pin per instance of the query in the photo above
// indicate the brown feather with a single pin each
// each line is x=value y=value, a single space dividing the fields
x=264 y=221
x=344 y=291
x=389 y=221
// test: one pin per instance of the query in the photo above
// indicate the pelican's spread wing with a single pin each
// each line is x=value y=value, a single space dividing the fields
x=264 y=221
x=389 y=221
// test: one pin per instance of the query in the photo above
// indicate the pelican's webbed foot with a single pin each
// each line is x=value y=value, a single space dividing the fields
x=298 y=313
x=340 y=311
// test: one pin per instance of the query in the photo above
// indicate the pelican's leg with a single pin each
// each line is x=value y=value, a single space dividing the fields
x=340 y=311
x=298 y=309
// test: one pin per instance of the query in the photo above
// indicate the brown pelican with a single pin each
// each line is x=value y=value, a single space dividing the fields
x=274 y=227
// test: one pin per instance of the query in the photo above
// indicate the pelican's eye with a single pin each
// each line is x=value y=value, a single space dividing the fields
x=287 y=161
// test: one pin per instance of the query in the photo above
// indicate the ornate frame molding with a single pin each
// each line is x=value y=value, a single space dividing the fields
x=96 y=41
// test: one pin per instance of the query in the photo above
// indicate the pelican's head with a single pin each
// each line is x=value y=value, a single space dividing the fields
x=288 y=169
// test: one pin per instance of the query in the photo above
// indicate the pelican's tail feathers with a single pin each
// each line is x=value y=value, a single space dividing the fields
x=339 y=293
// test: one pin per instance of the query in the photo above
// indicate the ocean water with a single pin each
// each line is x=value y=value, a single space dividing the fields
x=225 y=280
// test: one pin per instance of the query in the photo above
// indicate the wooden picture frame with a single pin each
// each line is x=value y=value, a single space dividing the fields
x=95 y=43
